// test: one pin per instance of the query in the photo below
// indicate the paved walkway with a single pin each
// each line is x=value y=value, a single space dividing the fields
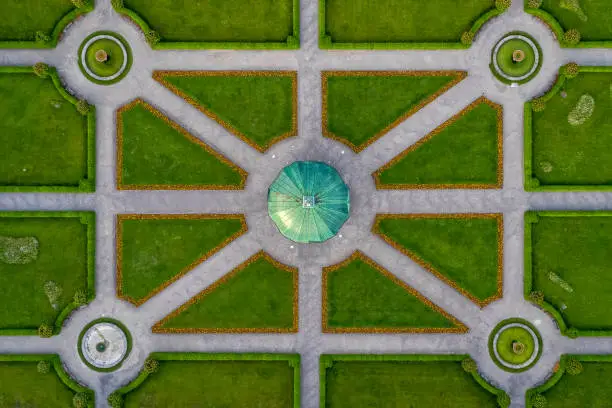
x=512 y=201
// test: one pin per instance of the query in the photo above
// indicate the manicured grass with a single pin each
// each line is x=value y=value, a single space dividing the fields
x=21 y=19
x=217 y=20
x=597 y=26
x=259 y=295
x=260 y=107
x=63 y=251
x=360 y=295
x=506 y=340
x=401 y=381
x=154 y=152
x=212 y=381
x=359 y=107
x=511 y=67
x=364 y=21
x=465 y=250
x=575 y=247
x=565 y=155
x=45 y=135
x=463 y=152
x=155 y=250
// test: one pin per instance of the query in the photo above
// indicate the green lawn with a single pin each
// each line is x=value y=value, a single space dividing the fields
x=360 y=295
x=21 y=19
x=359 y=107
x=463 y=152
x=366 y=21
x=153 y=251
x=598 y=23
x=259 y=295
x=376 y=383
x=462 y=249
x=155 y=152
x=217 y=20
x=577 y=250
x=219 y=381
x=260 y=107
x=62 y=258
x=45 y=134
x=564 y=154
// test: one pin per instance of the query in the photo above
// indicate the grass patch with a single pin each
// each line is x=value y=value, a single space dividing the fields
x=464 y=250
x=155 y=250
x=464 y=152
x=258 y=296
x=156 y=153
x=260 y=107
x=598 y=23
x=65 y=256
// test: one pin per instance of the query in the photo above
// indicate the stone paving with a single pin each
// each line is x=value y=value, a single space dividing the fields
x=309 y=61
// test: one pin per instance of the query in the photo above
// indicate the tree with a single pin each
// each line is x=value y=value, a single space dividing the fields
x=45 y=331
x=538 y=104
x=539 y=401
x=83 y=107
x=41 y=69
x=503 y=5
x=467 y=38
x=503 y=400
x=537 y=296
x=573 y=366
x=43 y=367
x=469 y=365
x=151 y=365
x=80 y=400
x=571 y=70
x=115 y=400
x=572 y=36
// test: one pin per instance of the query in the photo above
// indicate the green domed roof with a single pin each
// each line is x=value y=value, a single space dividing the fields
x=308 y=202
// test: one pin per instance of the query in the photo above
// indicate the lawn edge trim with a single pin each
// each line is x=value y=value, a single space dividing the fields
x=326 y=43
x=531 y=182
x=426 y=186
x=358 y=255
x=327 y=360
x=128 y=56
x=86 y=185
x=162 y=116
x=504 y=323
x=117 y=323
x=292 y=359
x=158 y=327
x=160 y=75
x=119 y=247
x=87 y=218
x=530 y=77
x=291 y=43
x=457 y=74
x=425 y=265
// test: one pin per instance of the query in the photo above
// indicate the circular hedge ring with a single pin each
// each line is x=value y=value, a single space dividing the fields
x=105 y=58
x=515 y=345
x=516 y=58
x=104 y=344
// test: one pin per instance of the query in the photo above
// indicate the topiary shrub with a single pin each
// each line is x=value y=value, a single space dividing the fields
x=83 y=107
x=43 y=367
x=469 y=365
x=80 y=297
x=503 y=5
x=538 y=104
x=41 y=69
x=537 y=297
x=81 y=3
x=117 y=4
x=534 y=3
x=539 y=401
x=45 y=331
x=115 y=400
x=152 y=37
x=41 y=37
x=503 y=400
x=572 y=333
x=571 y=36
x=80 y=400
x=571 y=70
x=467 y=38
x=151 y=365
x=573 y=366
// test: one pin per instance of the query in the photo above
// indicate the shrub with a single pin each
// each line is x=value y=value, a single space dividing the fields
x=80 y=297
x=572 y=333
x=45 y=331
x=537 y=297
x=117 y=4
x=43 y=367
x=534 y=3
x=80 y=400
x=573 y=366
x=503 y=400
x=572 y=36
x=582 y=111
x=539 y=401
x=467 y=38
x=469 y=365
x=115 y=400
x=83 y=107
x=152 y=37
x=41 y=69
x=538 y=104
x=503 y=5
x=151 y=365
x=81 y=3
x=571 y=70
x=42 y=38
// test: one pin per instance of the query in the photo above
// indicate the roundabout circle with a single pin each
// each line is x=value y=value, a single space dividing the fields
x=104 y=344
x=105 y=58
x=516 y=58
x=515 y=345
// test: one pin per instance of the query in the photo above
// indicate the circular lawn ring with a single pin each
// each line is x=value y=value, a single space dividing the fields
x=104 y=344
x=516 y=58
x=105 y=58
x=515 y=345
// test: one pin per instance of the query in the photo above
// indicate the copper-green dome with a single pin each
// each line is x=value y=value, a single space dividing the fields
x=308 y=202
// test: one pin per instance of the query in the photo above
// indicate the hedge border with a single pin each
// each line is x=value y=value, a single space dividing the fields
x=119 y=247
x=325 y=75
x=500 y=249
x=128 y=56
x=532 y=217
x=291 y=43
x=530 y=77
x=159 y=76
x=426 y=186
x=497 y=329
x=158 y=327
x=358 y=255
x=160 y=115
x=60 y=371
x=292 y=359
x=327 y=360
x=326 y=43
x=531 y=182
x=117 y=323
x=87 y=218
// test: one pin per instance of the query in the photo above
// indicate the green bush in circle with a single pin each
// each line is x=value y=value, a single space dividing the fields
x=573 y=366
x=572 y=36
x=538 y=104
x=503 y=5
x=41 y=69
x=43 y=367
x=571 y=70
x=469 y=365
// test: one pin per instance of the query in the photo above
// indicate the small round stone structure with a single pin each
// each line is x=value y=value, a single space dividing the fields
x=515 y=345
x=104 y=344
x=105 y=57
x=309 y=202
x=516 y=58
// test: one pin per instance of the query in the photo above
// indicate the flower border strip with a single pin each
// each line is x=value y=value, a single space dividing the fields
x=459 y=76
x=425 y=265
x=119 y=247
x=158 y=327
x=500 y=154
x=159 y=76
x=157 y=113
x=358 y=255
